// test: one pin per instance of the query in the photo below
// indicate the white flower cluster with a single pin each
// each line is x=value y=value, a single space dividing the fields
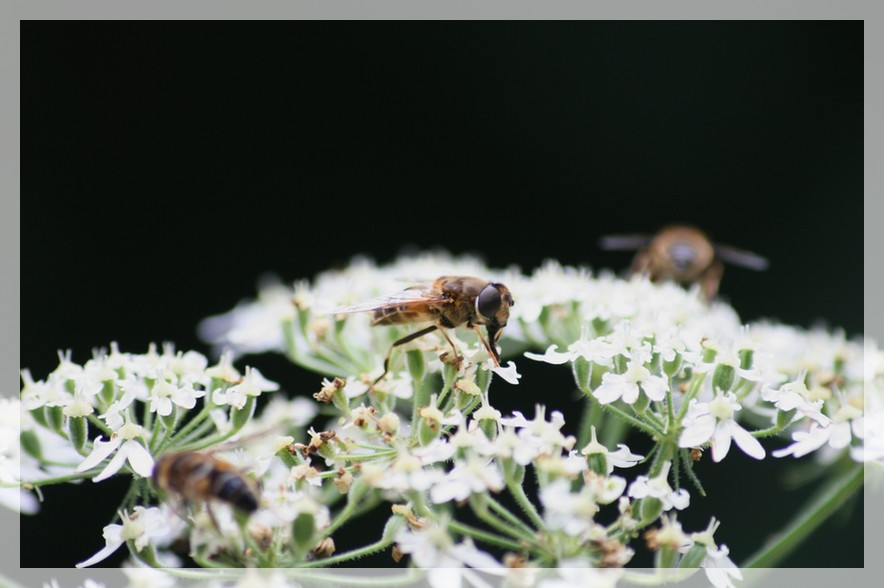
x=638 y=342
x=89 y=421
x=420 y=436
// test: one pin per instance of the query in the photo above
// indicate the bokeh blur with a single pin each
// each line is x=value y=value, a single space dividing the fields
x=166 y=167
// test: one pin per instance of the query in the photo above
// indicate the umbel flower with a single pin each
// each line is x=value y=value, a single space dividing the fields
x=468 y=489
x=125 y=448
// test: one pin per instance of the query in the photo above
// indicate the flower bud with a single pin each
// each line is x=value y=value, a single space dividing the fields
x=665 y=557
x=389 y=423
x=723 y=377
x=30 y=443
x=77 y=432
x=598 y=463
x=303 y=530
x=649 y=509
x=582 y=369
x=54 y=418
x=417 y=366
x=693 y=557
x=392 y=527
x=288 y=457
x=670 y=368
x=709 y=354
x=483 y=379
x=108 y=392
x=427 y=431
x=169 y=420
x=239 y=417
x=784 y=417
x=641 y=403
x=488 y=428
x=39 y=415
x=746 y=357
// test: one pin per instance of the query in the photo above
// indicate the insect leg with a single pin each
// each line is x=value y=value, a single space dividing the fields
x=402 y=341
x=212 y=516
x=457 y=357
x=491 y=350
x=710 y=280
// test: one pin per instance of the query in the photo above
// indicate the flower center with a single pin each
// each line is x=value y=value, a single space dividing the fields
x=130 y=431
x=721 y=409
x=636 y=374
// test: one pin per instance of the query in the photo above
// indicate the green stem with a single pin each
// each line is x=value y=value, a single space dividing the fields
x=366 y=456
x=201 y=415
x=100 y=425
x=693 y=389
x=192 y=436
x=638 y=424
x=484 y=536
x=768 y=432
x=61 y=479
x=823 y=504
x=480 y=507
x=641 y=426
x=525 y=503
x=670 y=410
x=207 y=442
x=342 y=517
x=590 y=417
x=379 y=545
x=502 y=511
x=421 y=399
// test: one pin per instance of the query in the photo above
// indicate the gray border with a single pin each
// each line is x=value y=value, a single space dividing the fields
x=423 y=9
x=10 y=242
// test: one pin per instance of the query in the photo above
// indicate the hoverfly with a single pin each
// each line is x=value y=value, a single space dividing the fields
x=193 y=476
x=683 y=254
x=447 y=303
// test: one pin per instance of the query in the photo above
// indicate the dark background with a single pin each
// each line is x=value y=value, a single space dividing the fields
x=166 y=166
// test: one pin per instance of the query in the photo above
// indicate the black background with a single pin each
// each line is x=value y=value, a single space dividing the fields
x=167 y=166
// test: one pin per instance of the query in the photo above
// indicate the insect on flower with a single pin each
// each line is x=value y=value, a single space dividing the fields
x=193 y=476
x=683 y=254
x=447 y=303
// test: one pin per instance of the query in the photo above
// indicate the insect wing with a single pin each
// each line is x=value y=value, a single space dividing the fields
x=415 y=299
x=740 y=257
x=623 y=242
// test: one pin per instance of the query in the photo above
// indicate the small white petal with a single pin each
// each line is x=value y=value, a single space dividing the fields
x=473 y=557
x=630 y=393
x=805 y=442
x=100 y=450
x=840 y=437
x=612 y=388
x=680 y=499
x=161 y=406
x=139 y=458
x=749 y=444
x=698 y=431
x=508 y=373
x=721 y=440
x=655 y=387
x=550 y=356
x=113 y=539
x=112 y=467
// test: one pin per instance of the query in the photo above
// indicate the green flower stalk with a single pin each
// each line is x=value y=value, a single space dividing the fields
x=469 y=487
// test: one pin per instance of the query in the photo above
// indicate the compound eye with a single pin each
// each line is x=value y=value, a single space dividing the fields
x=488 y=302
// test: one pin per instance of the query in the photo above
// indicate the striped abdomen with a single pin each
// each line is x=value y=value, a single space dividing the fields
x=198 y=477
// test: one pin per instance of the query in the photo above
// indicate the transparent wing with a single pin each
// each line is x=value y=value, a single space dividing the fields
x=741 y=257
x=408 y=297
x=624 y=242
